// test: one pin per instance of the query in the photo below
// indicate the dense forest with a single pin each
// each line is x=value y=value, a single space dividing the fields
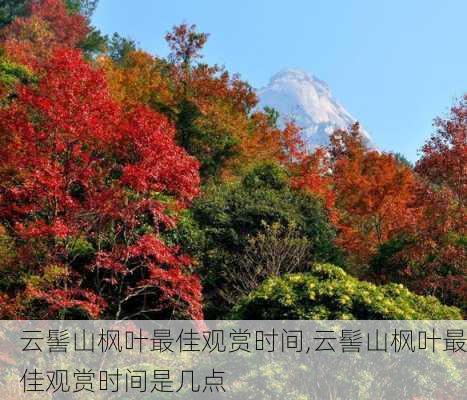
x=138 y=186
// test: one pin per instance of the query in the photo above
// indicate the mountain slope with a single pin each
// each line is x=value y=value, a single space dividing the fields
x=301 y=97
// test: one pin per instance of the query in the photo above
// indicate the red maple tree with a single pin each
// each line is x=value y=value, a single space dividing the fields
x=374 y=194
x=438 y=259
x=87 y=190
x=48 y=25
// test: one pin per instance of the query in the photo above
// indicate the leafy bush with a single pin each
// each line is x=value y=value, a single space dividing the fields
x=329 y=293
x=10 y=75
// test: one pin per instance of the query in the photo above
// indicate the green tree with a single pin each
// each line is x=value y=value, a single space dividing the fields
x=211 y=148
x=403 y=160
x=222 y=223
x=389 y=263
x=10 y=9
x=84 y=7
x=118 y=47
x=94 y=44
x=272 y=115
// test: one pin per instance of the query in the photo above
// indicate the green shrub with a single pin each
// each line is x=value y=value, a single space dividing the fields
x=330 y=293
x=11 y=74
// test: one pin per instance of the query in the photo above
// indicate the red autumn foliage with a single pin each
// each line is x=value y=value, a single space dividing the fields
x=77 y=168
x=266 y=143
x=90 y=185
x=68 y=28
x=185 y=44
x=374 y=195
x=312 y=173
x=436 y=260
x=444 y=156
x=49 y=25
x=441 y=230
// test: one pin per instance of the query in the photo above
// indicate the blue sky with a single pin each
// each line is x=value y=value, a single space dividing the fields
x=394 y=64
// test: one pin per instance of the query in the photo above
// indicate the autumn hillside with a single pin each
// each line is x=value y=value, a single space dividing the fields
x=137 y=186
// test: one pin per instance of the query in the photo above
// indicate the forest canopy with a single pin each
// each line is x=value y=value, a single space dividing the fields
x=134 y=185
